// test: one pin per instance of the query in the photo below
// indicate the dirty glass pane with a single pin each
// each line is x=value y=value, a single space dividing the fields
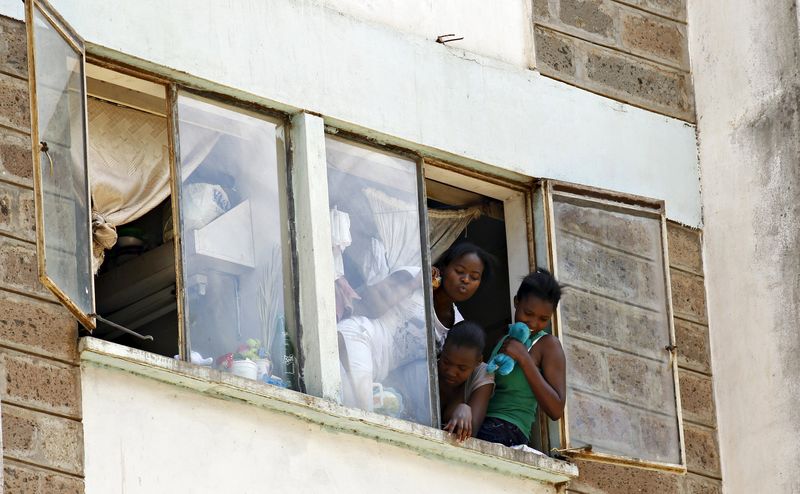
x=65 y=206
x=380 y=299
x=233 y=227
x=615 y=327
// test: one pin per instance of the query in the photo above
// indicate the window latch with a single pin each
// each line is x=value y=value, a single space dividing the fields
x=122 y=328
x=46 y=150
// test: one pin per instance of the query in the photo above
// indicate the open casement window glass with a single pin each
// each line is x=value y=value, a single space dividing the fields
x=233 y=229
x=615 y=327
x=381 y=301
x=58 y=131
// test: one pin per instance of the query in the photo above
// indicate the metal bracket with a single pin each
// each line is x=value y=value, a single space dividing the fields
x=563 y=454
x=121 y=328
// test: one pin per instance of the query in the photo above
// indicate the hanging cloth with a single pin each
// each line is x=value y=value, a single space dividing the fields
x=446 y=225
x=128 y=168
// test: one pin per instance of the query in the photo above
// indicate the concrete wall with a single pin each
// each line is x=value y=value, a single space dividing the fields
x=499 y=30
x=747 y=78
x=176 y=440
x=405 y=89
x=536 y=126
x=631 y=50
x=39 y=379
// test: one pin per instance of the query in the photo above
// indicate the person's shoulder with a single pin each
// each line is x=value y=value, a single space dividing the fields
x=551 y=339
x=549 y=344
x=480 y=374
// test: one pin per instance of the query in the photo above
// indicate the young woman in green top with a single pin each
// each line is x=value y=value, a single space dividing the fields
x=539 y=376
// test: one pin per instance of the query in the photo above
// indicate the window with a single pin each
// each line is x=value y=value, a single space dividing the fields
x=233 y=228
x=615 y=327
x=214 y=289
x=58 y=132
x=206 y=259
x=381 y=300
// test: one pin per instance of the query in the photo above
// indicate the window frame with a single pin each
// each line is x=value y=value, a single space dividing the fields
x=70 y=36
x=289 y=261
x=548 y=189
x=333 y=132
x=172 y=88
x=514 y=195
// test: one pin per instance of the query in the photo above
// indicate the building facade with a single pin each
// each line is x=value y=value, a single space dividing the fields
x=602 y=139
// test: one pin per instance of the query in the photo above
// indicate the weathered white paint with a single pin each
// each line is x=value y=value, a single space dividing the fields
x=747 y=88
x=501 y=30
x=404 y=89
x=179 y=436
x=314 y=258
x=13 y=9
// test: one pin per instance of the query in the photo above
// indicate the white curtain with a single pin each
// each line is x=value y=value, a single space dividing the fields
x=398 y=225
x=446 y=225
x=129 y=167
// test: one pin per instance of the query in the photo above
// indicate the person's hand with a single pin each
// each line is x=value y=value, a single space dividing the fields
x=460 y=423
x=516 y=350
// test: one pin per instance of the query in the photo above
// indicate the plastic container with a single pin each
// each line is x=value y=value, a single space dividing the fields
x=245 y=368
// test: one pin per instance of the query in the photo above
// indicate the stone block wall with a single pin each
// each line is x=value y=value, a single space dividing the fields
x=696 y=388
x=39 y=374
x=630 y=50
x=42 y=435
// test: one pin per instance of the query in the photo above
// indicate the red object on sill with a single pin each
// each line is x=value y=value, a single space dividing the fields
x=225 y=361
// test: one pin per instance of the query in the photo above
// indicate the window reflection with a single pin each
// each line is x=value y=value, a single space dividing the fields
x=380 y=299
x=233 y=232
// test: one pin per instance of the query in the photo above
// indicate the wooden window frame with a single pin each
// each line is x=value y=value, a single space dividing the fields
x=544 y=212
x=69 y=35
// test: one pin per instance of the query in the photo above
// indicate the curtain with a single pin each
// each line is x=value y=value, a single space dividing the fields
x=445 y=226
x=129 y=167
x=398 y=225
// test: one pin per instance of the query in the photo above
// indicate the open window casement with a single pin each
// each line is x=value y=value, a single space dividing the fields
x=614 y=321
x=56 y=59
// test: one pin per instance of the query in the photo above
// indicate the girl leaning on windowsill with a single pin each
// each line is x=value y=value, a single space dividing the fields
x=539 y=376
x=464 y=385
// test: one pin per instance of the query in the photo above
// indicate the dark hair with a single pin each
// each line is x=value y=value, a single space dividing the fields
x=456 y=251
x=542 y=285
x=466 y=334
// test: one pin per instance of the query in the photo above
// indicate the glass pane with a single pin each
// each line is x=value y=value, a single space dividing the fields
x=233 y=230
x=380 y=299
x=620 y=388
x=65 y=206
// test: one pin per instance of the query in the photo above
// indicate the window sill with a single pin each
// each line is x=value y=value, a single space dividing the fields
x=418 y=438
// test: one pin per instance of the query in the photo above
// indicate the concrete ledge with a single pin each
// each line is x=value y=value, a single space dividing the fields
x=421 y=439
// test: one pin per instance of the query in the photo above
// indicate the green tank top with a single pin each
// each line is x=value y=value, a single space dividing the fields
x=513 y=400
